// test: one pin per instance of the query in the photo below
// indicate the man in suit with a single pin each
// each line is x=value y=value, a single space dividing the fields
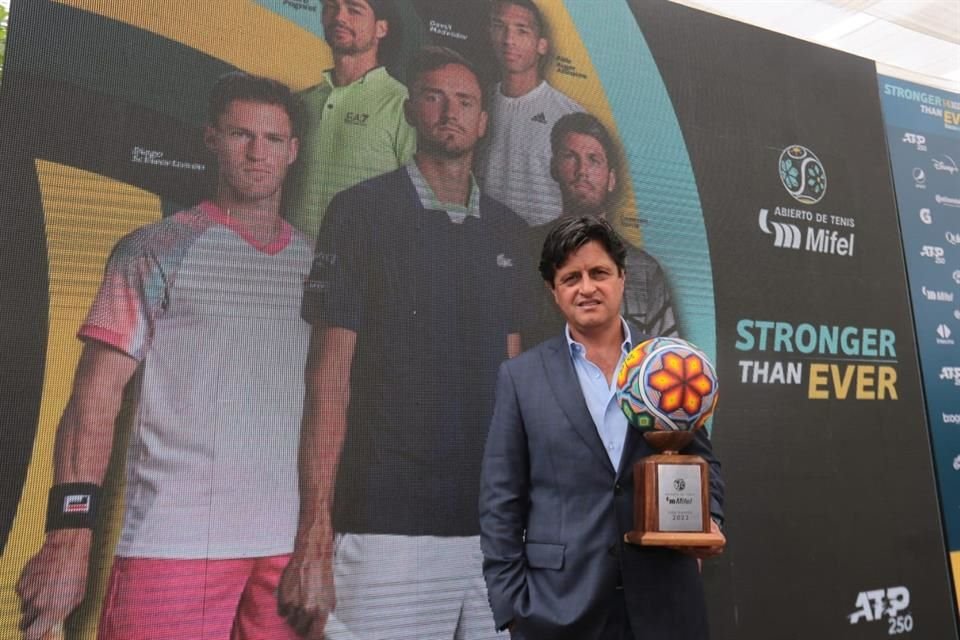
x=556 y=493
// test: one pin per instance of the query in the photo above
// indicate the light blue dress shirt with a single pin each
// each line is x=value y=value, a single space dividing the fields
x=601 y=397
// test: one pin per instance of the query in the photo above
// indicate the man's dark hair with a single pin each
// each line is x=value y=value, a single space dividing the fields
x=383 y=10
x=538 y=21
x=588 y=125
x=390 y=45
x=432 y=58
x=239 y=85
x=569 y=234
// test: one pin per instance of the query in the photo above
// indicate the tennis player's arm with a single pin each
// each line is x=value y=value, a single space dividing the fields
x=85 y=433
x=53 y=582
x=324 y=420
x=306 y=594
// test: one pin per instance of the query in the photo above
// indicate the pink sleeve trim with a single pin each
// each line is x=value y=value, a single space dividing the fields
x=106 y=336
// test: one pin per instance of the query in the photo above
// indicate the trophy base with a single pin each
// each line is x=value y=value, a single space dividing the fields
x=672 y=497
x=674 y=539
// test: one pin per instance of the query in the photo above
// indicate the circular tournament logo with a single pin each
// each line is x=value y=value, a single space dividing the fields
x=679 y=484
x=802 y=174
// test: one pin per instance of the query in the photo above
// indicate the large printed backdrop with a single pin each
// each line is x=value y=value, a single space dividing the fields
x=758 y=167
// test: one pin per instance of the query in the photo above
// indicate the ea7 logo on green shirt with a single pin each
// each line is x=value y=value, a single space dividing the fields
x=356 y=118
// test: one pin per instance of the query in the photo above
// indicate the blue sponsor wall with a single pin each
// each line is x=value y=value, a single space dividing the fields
x=923 y=133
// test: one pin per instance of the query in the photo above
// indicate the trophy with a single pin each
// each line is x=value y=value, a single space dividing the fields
x=668 y=389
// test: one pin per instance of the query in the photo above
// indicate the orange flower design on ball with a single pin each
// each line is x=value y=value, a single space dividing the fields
x=681 y=383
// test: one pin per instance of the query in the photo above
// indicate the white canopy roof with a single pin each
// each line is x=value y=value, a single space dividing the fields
x=917 y=40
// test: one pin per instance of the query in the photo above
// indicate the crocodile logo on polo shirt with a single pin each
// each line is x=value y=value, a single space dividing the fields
x=540 y=117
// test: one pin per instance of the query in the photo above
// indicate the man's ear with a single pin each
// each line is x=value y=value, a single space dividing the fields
x=210 y=138
x=553 y=292
x=293 y=151
x=612 y=181
x=381 y=29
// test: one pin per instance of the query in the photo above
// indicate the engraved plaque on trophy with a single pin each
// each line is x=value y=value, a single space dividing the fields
x=668 y=389
x=680 y=503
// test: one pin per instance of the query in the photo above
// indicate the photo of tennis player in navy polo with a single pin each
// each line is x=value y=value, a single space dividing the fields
x=413 y=302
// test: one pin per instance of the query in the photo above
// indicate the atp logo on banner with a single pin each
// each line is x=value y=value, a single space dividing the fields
x=891 y=603
x=951 y=374
x=915 y=139
x=934 y=253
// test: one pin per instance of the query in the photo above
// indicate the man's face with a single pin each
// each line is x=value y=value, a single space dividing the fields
x=446 y=109
x=588 y=289
x=255 y=146
x=515 y=37
x=581 y=168
x=350 y=26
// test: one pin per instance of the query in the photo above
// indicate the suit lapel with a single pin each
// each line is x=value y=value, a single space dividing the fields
x=565 y=387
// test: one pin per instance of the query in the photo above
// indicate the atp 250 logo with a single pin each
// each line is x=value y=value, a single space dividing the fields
x=891 y=603
x=915 y=139
x=802 y=174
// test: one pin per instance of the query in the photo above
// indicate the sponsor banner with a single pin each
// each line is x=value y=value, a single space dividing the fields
x=923 y=110
x=765 y=214
x=815 y=340
x=924 y=140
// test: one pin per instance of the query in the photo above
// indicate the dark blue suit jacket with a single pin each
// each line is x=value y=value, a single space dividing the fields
x=553 y=513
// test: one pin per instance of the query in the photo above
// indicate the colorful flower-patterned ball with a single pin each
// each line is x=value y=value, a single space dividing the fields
x=667 y=384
